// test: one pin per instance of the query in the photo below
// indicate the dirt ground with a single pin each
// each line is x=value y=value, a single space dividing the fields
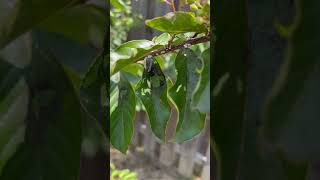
x=138 y=162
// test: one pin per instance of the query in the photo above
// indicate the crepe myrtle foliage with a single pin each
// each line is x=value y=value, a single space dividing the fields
x=171 y=71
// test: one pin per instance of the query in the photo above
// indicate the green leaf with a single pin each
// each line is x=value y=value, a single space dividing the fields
x=152 y=90
x=162 y=39
x=292 y=113
x=133 y=72
x=27 y=14
x=177 y=22
x=131 y=52
x=201 y=97
x=122 y=118
x=191 y=121
x=83 y=24
x=119 y=4
x=53 y=126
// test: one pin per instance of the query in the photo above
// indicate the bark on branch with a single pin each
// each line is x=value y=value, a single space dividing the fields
x=185 y=44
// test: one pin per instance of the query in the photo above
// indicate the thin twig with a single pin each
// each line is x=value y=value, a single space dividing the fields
x=185 y=44
x=173 y=6
x=167 y=2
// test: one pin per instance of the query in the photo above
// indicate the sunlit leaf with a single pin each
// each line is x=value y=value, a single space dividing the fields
x=119 y=4
x=177 y=22
x=131 y=52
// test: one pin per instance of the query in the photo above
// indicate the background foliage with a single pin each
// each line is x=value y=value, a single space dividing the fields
x=265 y=87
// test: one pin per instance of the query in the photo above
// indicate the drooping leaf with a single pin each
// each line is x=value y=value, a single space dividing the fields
x=177 y=22
x=152 y=90
x=78 y=57
x=191 y=121
x=292 y=114
x=28 y=13
x=53 y=126
x=201 y=97
x=131 y=52
x=122 y=117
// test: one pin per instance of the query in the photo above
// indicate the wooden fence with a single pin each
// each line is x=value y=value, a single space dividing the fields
x=189 y=159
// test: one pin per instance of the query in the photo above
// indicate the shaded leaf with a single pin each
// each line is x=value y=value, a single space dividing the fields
x=152 y=90
x=191 y=121
x=13 y=110
x=77 y=57
x=53 y=126
x=92 y=93
x=84 y=24
x=28 y=13
x=122 y=118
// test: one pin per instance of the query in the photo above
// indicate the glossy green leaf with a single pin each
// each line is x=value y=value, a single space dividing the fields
x=201 y=97
x=152 y=90
x=162 y=39
x=122 y=118
x=27 y=14
x=177 y=22
x=84 y=24
x=53 y=126
x=190 y=121
x=131 y=52
x=119 y=4
x=292 y=114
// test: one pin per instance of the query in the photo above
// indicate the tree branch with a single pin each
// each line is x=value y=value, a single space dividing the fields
x=185 y=44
